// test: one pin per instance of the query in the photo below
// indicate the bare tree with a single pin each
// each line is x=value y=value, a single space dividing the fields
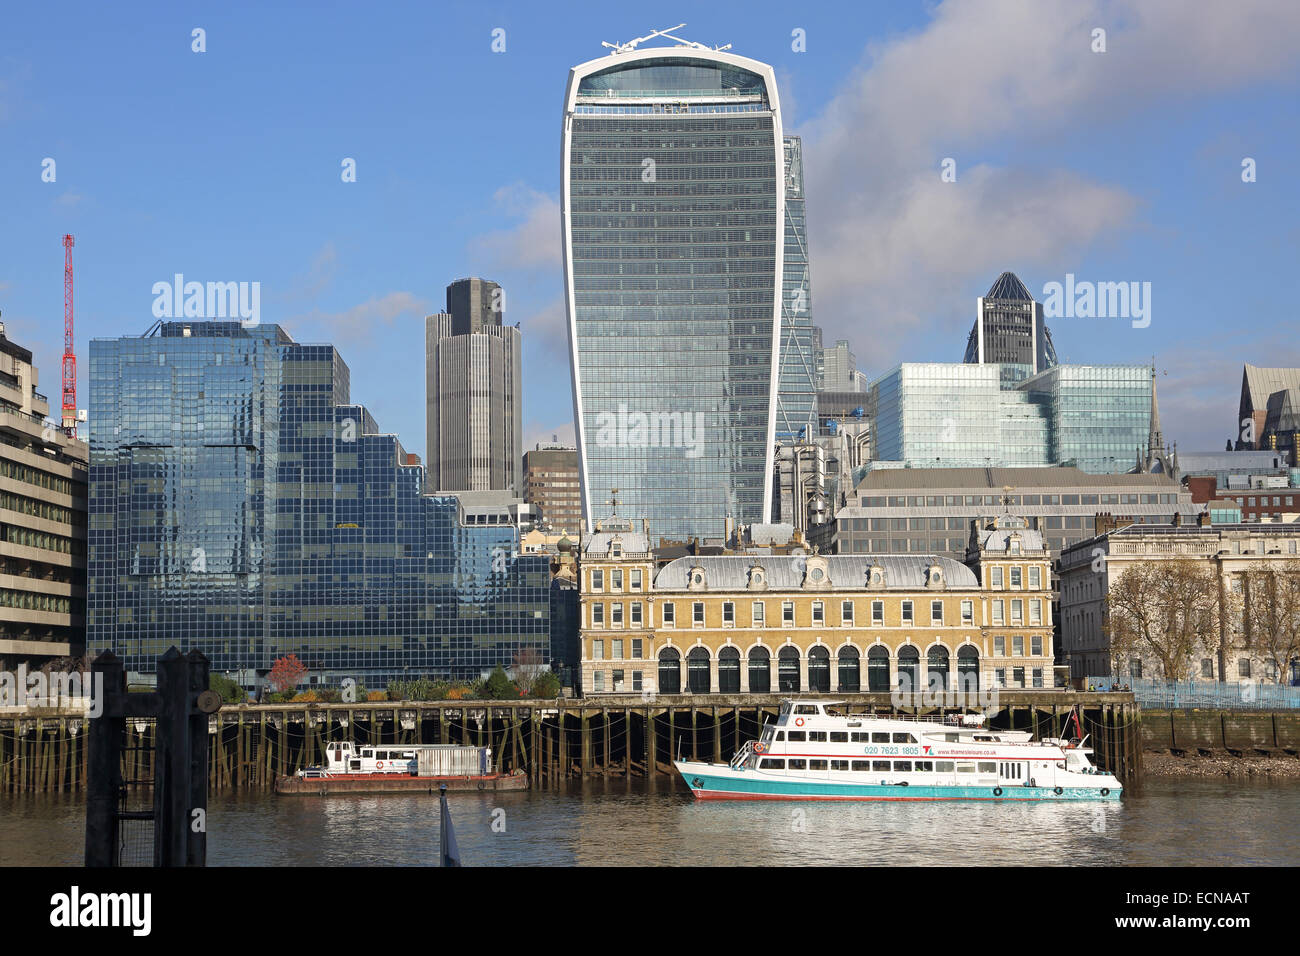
x=1271 y=614
x=527 y=667
x=1166 y=610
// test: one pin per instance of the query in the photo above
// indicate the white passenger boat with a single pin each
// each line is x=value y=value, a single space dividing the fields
x=816 y=750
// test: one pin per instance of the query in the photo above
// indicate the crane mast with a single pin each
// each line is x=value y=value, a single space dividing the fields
x=69 y=356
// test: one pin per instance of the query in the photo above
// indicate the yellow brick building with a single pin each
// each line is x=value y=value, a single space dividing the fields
x=793 y=623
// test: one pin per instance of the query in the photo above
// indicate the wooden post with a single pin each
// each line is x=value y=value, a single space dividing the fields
x=672 y=738
x=104 y=773
x=605 y=769
x=651 y=741
x=585 y=736
x=627 y=743
x=534 y=755
x=717 y=737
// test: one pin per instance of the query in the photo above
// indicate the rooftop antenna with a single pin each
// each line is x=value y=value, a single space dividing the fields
x=631 y=45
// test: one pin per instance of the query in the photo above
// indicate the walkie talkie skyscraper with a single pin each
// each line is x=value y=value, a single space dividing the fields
x=673 y=226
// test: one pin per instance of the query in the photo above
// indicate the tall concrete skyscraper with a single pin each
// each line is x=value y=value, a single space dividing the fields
x=673 y=222
x=473 y=393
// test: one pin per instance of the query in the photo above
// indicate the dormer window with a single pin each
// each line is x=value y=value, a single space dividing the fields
x=696 y=580
x=757 y=578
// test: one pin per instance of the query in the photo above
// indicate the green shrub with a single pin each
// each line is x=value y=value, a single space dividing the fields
x=231 y=693
x=498 y=686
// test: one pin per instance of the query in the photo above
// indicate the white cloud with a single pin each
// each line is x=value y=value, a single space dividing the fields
x=892 y=244
x=531 y=243
x=357 y=324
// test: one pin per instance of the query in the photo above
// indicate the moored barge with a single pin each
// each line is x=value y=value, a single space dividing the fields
x=392 y=768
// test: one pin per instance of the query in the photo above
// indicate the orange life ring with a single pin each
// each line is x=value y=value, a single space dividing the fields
x=379 y=765
x=798 y=721
x=760 y=747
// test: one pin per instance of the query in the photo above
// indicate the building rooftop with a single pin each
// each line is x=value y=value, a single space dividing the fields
x=1049 y=476
x=786 y=572
x=1009 y=286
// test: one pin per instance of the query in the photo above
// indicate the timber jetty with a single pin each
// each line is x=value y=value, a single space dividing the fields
x=545 y=741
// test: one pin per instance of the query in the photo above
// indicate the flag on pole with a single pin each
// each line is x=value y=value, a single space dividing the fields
x=449 y=851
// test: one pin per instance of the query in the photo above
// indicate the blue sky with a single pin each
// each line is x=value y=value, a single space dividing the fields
x=225 y=166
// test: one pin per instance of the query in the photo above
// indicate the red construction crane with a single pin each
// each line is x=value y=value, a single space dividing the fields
x=69 y=356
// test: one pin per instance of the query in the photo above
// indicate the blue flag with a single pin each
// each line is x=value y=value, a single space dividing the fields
x=450 y=852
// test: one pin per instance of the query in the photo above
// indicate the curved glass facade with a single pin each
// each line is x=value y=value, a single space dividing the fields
x=240 y=504
x=674 y=243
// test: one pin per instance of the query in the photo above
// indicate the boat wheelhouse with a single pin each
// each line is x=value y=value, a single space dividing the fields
x=818 y=750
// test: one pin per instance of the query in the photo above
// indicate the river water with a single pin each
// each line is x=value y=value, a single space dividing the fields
x=1188 y=822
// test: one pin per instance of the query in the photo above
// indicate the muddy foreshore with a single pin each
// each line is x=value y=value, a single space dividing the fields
x=1195 y=764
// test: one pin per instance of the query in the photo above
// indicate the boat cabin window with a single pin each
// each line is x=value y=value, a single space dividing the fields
x=943 y=766
x=862 y=765
x=780 y=735
x=798 y=736
x=839 y=737
x=786 y=707
x=988 y=766
x=798 y=764
x=904 y=739
x=819 y=736
x=879 y=765
x=965 y=766
x=839 y=765
x=354 y=764
x=805 y=709
x=951 y=738
x=879 y=738
x=985 y=738
x=924 y=766
x=769 y=764
x=903 y=766
x=816 y=764
x=860 y=736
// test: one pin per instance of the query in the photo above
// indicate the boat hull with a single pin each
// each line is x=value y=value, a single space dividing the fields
x=396 y=783
x=718 y=782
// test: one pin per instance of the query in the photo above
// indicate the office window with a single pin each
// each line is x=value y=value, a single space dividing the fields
x=1037 y=674
x=877 y=612
x=1017 y=646
x=1017 y=611
x=936 y=612
x=1000 y=646
x=1036 y=645
x=636 y=650
x=995 y=578
x=597 y=579
x=636 y=680
x=669 y=615
x=818 y=612
x=787 y=613
x=967 y=612
x=907 y=612
x=997 y=611
x=598 y=677
x=1207 y=667
x=728 y=613
x=846 y=612
x=1035 y=577
x=634 y=577
x=1243 y=667
x=758 y=612
x=636 y=613
x=697 y=613
x=1015 y=578
x=598 y=650
x=598 y=615
x=1036 y=611
x=616 y=579
x=616 y=650
x=616 y=615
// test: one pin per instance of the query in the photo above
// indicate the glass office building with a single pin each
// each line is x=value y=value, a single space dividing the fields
x=947 y=415
x=1009 y=331
x=674 y=241
x=797 y=396
x=241 y=504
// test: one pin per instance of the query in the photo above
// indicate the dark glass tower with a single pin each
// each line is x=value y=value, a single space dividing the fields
x=1009 y=330
x=674 y=238
x=241 y=504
